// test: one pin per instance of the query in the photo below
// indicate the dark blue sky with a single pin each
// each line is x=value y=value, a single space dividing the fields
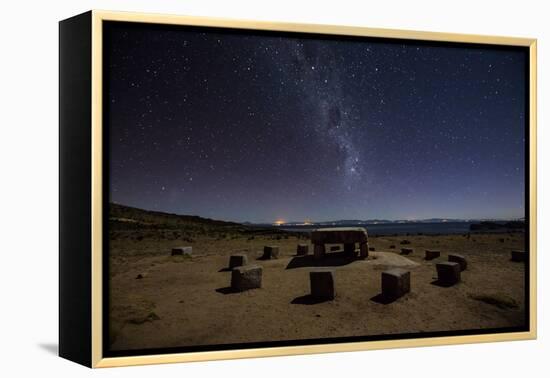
x=262 y=127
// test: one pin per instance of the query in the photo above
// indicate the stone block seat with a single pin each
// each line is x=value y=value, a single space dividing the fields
x=270 y=252
x=322 y=283
x=448 y=273
x=461 y=260
x=237 y=260
x=246 y=277
x=432 y=254
x=182 y=251
x=395 y=283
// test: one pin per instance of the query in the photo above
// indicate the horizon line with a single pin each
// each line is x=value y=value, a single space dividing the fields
x=332 y=220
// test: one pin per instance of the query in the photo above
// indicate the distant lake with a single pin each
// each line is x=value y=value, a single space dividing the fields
x=399 y=228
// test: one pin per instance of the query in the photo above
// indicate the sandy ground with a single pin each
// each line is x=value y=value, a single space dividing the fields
x=160 y=301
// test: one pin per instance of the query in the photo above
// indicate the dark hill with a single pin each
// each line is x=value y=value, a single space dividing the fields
x=147 y=223
x=126 y=217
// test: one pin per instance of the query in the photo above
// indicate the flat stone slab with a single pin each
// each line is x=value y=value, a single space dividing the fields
x=432 y=254
x=182 y=251
x=448 y=273
x=461 y=260
x=237 y=260
x=518 y=256
x=246 y=277
x=339 y=235
x=396 y=283
x=322 y=283
x=302 y=249
x=270 y=252
x=406 y=251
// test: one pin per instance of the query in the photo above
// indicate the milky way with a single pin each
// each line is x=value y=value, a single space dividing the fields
x=251 y=126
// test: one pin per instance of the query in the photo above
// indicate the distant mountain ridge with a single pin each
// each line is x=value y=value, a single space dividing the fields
x=127 y=217
x=348 y=222
x=342 y=222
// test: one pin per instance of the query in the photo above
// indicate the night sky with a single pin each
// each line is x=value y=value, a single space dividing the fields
x=259 y=127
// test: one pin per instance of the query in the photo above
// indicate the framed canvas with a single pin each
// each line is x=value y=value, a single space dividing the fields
x=235 y=189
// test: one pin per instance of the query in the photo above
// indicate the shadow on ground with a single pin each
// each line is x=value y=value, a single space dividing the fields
x=330 y=259
x=309 y=300
x=443 y=284
x=383 y=299
x=227 y=290
x=50 y=348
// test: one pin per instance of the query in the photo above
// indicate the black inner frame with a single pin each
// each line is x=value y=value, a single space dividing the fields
x=109 y=26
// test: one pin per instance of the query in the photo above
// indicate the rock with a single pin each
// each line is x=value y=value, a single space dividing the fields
x=396 y=283
x=141 y=276
x=404 y=242
x=302 y=249
x=448 y=273
x=334 y=248
x=518 y=256
x=372 y=249
x=246 y=277
x=406 y=251
x=270 y=252
x=461 y=260
x=182 y=251
x=432 y=254
x=392 y=246
x=237 y=260
x=322 y=283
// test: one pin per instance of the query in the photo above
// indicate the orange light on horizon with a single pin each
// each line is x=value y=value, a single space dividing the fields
x=279 y=222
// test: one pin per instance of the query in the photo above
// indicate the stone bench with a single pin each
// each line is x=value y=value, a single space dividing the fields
x=302 y=249
x=448 y=273
x=182 y=251
x=270 y=252
x=237 y=260
x=518 y=256
x=461 y=260
x=432 y=254
x=322 y=283
x=406 y=251
x=395 y=283
x=246 y=277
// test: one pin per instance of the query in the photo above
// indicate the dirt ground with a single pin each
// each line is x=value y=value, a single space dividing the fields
x=160 y=301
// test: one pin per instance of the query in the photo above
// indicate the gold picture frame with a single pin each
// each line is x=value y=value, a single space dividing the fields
x=94 y=265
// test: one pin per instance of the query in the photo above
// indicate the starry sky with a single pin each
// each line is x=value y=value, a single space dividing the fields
x=250 y=126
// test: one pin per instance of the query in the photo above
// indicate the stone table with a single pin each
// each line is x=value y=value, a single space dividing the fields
x=348 y=236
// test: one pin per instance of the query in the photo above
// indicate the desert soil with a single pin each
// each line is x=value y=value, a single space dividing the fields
x=161 y=301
